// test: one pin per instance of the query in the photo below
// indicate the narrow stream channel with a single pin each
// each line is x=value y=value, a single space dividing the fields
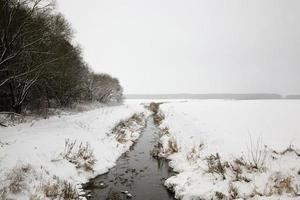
x=137 y=174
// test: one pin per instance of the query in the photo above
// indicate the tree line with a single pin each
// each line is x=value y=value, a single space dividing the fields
x=40 y=66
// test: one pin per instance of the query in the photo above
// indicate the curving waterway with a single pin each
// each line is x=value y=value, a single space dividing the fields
x=137 y=174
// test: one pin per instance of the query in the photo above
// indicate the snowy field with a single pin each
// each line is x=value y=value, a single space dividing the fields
x=36 y=150
x=242 y=133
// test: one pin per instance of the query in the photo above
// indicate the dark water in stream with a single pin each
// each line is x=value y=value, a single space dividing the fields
x=137 y=174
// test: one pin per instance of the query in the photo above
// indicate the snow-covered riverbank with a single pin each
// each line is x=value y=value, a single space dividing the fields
x=220 y=141
x=36 y=152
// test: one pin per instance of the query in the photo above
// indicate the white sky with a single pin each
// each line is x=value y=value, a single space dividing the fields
x=191 y=46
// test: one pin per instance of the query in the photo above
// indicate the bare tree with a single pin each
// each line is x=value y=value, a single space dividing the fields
x=23 y=32
x=16 y=17
x=39 y=61
x=105 y=89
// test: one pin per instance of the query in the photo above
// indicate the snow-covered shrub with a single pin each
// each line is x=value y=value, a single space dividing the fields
x=82 y=156
x=216 y=166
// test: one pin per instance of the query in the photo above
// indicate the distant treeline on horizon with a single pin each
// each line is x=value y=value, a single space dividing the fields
x=213 y=96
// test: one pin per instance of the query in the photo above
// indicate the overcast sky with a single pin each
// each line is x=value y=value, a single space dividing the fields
x=191 y=46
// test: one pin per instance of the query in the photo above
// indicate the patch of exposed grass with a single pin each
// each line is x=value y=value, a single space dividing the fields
x=154 y=107
x=82 y=156
x=56 y=190
x=158 y=118
x=233 y=192
x=16 y=178
x=122 y=128
x=194 y=154
x=220 y=195
x=216 y=166
x=172 y=146
x=281 y=184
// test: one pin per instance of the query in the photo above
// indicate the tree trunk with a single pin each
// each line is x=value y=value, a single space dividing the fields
x=18 y=108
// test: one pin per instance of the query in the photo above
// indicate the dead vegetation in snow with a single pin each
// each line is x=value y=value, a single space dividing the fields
x=195 y=153
x=280 y=184
x=153 y=107
x=248 y=176
x=216 y=166
x=23 y=178
x=16 y=180
x=257 y=154
x=125 y=130
x=82 y=156
x=246 y=171
x=58 y=189
x=170 y=145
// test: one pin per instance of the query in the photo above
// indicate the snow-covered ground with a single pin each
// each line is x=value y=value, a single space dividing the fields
x=237 y=131
x=41 y=145
x=218 y=142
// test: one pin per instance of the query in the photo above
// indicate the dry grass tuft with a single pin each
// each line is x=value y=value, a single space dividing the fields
x=220 y=195
x=163 y=149
x=158 y=118
x=233 y=192
x=194 y=154
x=281 y=184
x=154 y=107
x=81 y=156
x=240 y=161
x=123 y=126
x=237 y=167
x=216 y=166
x=56 y=190
x=16 y=178
x=165 y=131
x=172 y=146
